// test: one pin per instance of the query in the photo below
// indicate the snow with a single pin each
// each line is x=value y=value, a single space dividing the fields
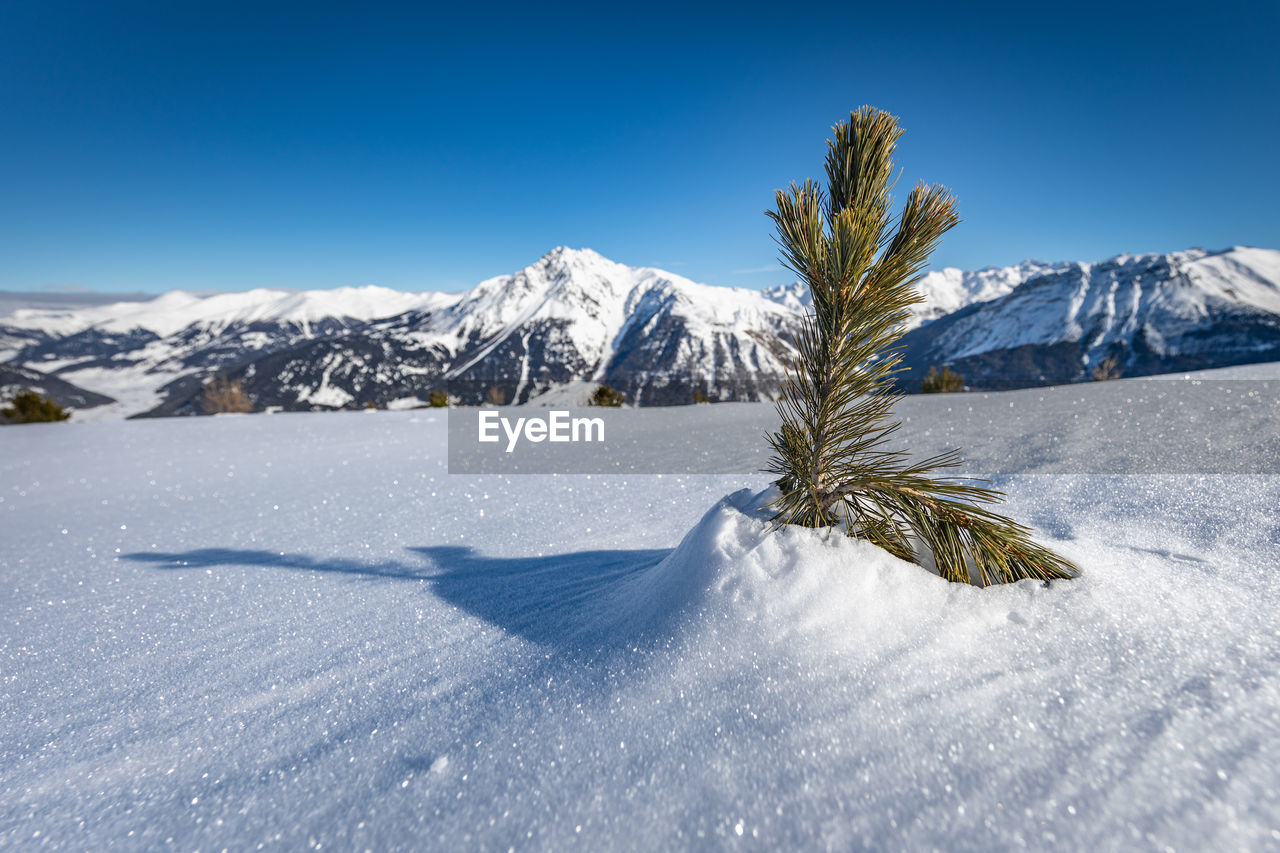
x=949 y=289
x=1243 y=274
x=299 y=630
x=135 y=388
x=597 y=300
x=794 y=297
x=570 y=394
x=943 y=291
x=327 y=395
x=1123 y=299
x=403 y=403
x=499 y=303
x=176 y=310
x=582 y=302
x=571 y=314
x=1265 y=370
x=11 y=301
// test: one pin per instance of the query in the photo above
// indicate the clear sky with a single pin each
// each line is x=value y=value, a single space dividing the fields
x=228 y=145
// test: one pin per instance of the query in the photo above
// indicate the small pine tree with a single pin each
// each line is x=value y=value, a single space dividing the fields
x=222 y=395
x=28 y=407
x=700 y=396
x=606 y=396
x=1107 y=369
x=830 y=456
x=945 y=382
x=438 y=399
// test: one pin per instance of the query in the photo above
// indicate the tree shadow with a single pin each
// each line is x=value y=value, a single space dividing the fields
x=203 y=558
x=578 y=600
x=569 y=601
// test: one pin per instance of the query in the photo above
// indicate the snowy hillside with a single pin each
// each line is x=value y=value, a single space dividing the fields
x=299 y=630
x=575 y=318
x=172 y=312
x=577 y=315
x=944 y=291
x=572 y=317
x=1152 y=313
x=949 y=289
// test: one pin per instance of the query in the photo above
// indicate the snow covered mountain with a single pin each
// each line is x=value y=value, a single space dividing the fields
x=1151 y=314
x=575 y=318
x=949 y=289
x=139 y=352
x=944 y=291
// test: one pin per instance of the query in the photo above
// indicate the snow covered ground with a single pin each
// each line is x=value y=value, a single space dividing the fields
x=297 y=631
x=1262 y=370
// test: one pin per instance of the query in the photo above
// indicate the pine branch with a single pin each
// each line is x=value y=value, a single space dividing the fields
x=831 y=455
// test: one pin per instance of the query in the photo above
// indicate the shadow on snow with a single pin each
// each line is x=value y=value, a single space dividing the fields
x=568 y=600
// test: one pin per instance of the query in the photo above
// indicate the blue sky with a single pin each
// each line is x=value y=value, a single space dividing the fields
x=226 y=145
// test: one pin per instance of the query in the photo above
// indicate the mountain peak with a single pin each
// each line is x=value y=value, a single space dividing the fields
x=575 y=316
x=563 y=255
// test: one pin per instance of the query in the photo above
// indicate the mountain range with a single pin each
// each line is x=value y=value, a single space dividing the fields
x=574 y=319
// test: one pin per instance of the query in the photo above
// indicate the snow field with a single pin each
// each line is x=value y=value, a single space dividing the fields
x=299 y=630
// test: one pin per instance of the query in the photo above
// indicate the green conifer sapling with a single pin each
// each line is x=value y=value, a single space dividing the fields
x=28 y=407
x=831 y=453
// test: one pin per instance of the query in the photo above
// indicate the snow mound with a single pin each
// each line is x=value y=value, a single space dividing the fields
x=818 y=586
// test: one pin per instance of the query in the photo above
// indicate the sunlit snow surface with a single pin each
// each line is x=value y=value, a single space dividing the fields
x=299 y=630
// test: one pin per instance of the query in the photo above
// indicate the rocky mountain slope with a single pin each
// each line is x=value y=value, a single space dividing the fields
x=572 y=316
x=1149 y=314
x=575 y=318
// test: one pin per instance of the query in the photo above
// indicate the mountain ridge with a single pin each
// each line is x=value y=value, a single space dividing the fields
x=574 y=316
x=1150 y=313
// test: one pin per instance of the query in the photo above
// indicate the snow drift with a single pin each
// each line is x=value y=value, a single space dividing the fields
x=817 y=588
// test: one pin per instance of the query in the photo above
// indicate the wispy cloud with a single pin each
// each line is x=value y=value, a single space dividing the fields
x=754 y=270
